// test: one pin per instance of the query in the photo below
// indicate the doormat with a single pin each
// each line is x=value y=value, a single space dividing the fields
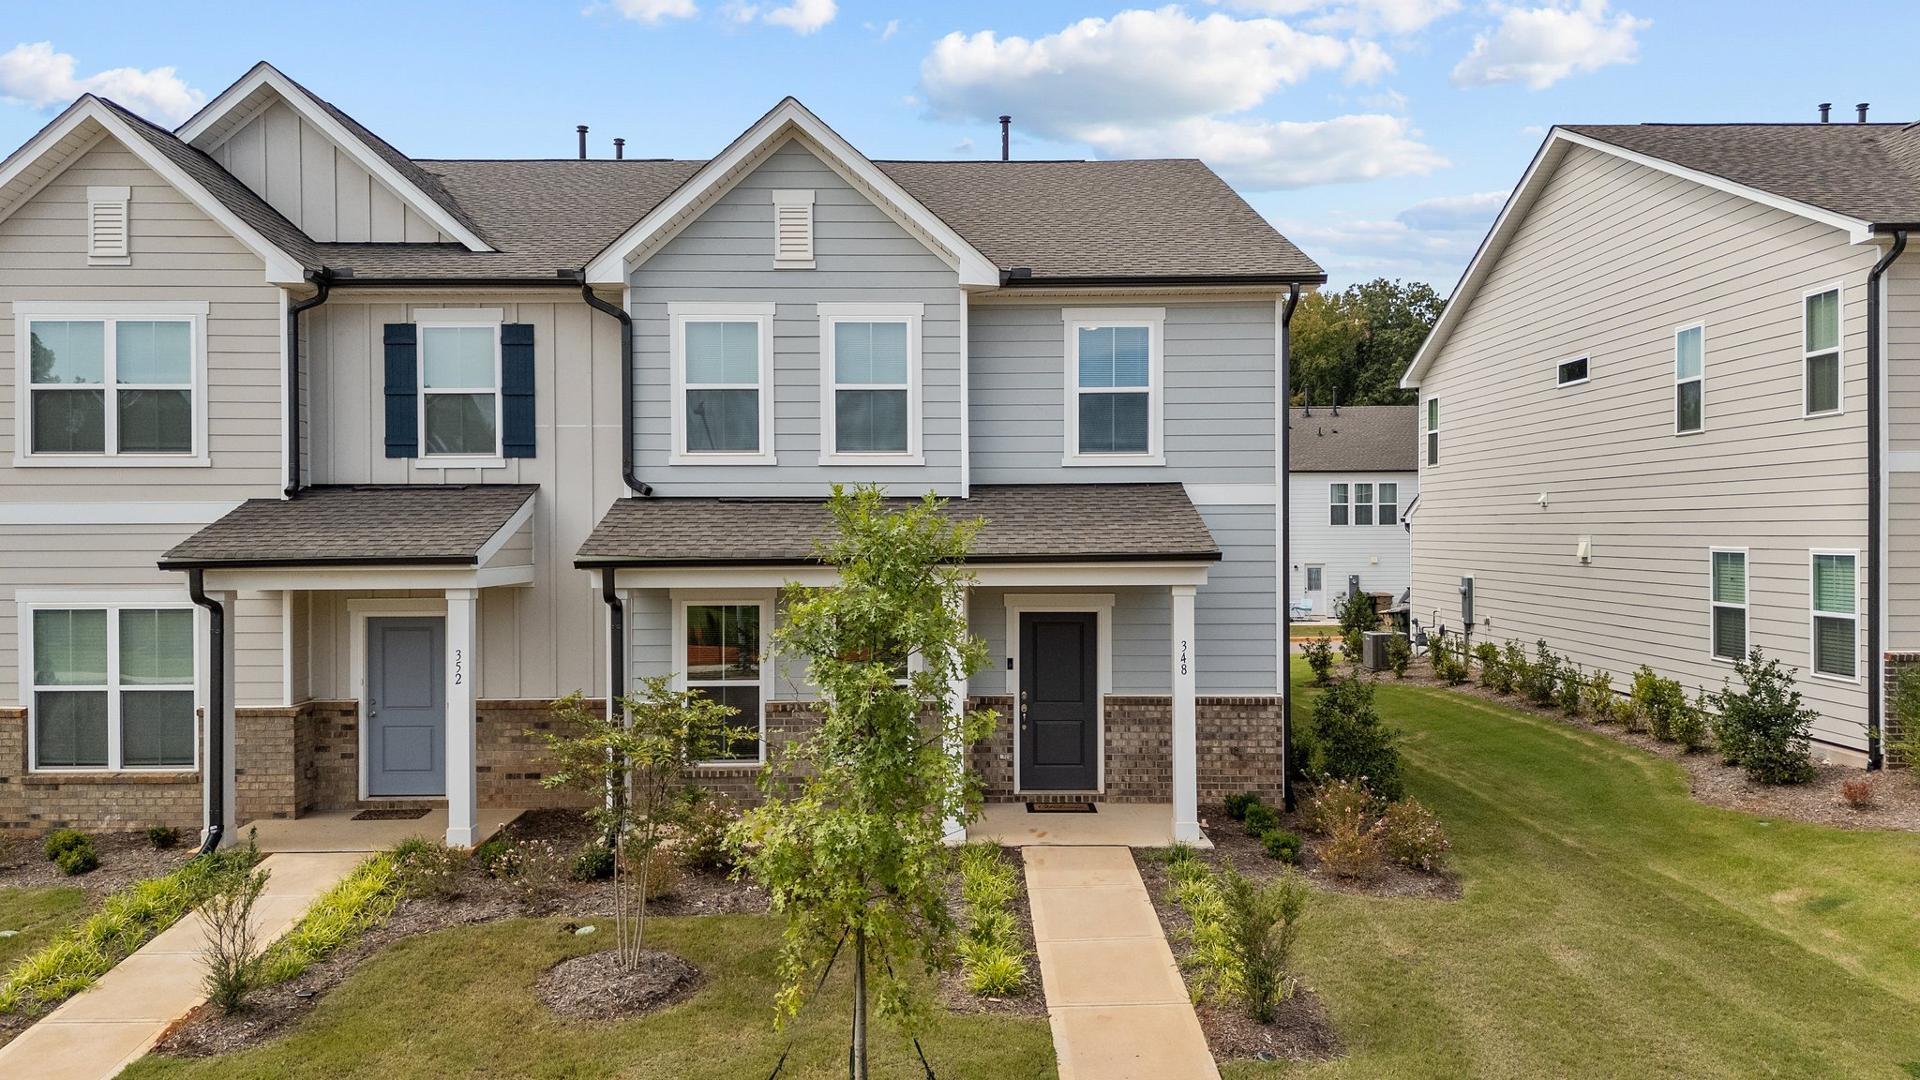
x=390 y=814
x=1076 y=807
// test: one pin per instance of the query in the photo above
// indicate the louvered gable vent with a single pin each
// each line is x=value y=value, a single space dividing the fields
x=107 y=225
x=793 y=229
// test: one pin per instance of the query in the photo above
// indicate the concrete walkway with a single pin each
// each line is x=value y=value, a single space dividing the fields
x=1116 y=1002
x=103 y=1029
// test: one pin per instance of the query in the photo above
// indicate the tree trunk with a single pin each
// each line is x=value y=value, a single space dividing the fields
x=859 y=1005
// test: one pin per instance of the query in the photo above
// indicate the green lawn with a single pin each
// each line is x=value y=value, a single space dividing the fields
x=460 y=1003
x=1612 y=926
x=38 y=914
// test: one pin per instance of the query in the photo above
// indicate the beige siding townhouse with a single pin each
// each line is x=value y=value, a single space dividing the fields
x=1672 y=412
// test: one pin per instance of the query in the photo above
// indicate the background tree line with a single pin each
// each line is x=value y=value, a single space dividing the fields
x=1352 y=346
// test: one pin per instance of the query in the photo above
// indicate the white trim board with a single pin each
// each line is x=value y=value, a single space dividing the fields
x=987 y=576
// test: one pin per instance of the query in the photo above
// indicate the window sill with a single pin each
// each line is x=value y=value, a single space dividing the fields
x=725 y=766
x=451 y=462
x=1822 y=415
x=1684 y=434
x=1842 y=680
x=722 y=459
x=855 y=460
x=1097 y=461
x=167 y=775
x=1573 y=383
x=110 y=461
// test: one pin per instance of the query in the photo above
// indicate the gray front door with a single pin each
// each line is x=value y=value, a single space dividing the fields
x=1059 y=701
x=407 y=706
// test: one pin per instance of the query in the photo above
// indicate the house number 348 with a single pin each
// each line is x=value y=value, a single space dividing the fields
x=459 y=666
x=1183 y=658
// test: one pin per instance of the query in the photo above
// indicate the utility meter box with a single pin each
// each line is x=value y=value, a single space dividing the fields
x=1466 y=602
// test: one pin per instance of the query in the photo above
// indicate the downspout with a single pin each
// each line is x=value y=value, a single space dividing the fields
x=1876 y=551
x=633 y=481
x=1282 y=491
x=323 y=281
x=216 y=709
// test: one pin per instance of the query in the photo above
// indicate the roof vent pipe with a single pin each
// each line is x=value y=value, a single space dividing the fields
x=619 y=149
x=582 y=129
x=1006 y=127
x=1863 y=111
x=1826 y=110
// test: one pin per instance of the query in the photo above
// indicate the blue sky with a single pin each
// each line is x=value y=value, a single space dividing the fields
x=1379 y=134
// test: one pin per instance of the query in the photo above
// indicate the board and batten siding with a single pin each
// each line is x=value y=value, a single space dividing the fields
x=860 y=255
x=316 y=185
x=1381 y=554
x=1608 y=263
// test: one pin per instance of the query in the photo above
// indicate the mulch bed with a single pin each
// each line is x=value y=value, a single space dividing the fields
x=1231 y=843
x=1896 y=792
x=125 y=857
x=597 y=987
x=1031 y=1000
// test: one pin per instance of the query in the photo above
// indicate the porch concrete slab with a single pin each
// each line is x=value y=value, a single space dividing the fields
x=1092 y=913
x=335 y=830
x=1134 y=1042
x=1125 y=824
x=1065 y=867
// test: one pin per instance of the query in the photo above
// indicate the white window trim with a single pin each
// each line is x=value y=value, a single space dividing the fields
x=1429 y=411
x=1814 y=615
x=1345 y=502
x=1839 y=349
x=1101 y=604
x=682 y=600
x=831 y=315
x=26 y=313
x=1378 y=502
x=679 y=314
x=1558 y=382
x=1154 y=319
x=1746 y=575
x=27 y=602
x=480 y=318
x=1701 y=378
x=359 y=610
x=787 y=199
x=122 y=198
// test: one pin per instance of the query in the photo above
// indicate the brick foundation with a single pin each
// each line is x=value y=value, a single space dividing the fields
x=100 y=801
x=1896 y=664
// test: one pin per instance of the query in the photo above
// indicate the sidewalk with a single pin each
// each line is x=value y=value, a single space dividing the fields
x=105 y=1028
x=1115 y=999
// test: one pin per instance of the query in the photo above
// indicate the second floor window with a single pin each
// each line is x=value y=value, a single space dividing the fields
x=722 y=415
x=1363 y=504
x=1820 y=369
x=1113 y=379
x=1689 y=380
x=120 y=389
x=1433 y=431
x=460 y=390
x=870 y=360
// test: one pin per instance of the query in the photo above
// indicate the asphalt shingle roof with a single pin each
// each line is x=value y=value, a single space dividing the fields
x=431 y=525
x=1025 y=523
x=1360 y=438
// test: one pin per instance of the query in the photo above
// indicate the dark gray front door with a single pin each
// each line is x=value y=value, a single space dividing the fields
x=406 y=706
x=1059 y=701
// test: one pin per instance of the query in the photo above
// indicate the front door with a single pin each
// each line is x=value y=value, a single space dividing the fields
x=407 y=706
x=1059 y=701
x=1316 y=591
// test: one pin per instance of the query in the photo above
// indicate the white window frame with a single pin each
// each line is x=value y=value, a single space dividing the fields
x=686 y=598
x=29 y=601
x=1701 y=378
x=679 y=315
x=1345 y=502
x=1839 y=350
x=481 y=318
x=1746 y=575
x=1560 y=365
x=1154 y=320
x=1378 y=518
x=831 y=316
x=1431 y=411
x=108 y=313
x=1814 y=615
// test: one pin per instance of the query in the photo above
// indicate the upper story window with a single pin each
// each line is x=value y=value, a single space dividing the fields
x=722 y=414
x=1363 y=504
x=1571 y=372
x=111 y=384
x=1821 y=352
x=112 y=687
x=460 y=389
x=1689 y=379
x=870 y=384
x=1114 y=375
x=1836 y=619
x=1433 y=431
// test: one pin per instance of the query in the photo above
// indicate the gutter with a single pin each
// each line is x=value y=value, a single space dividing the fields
x=1282 y=489
x=216 y=710
x=633 y=481
x=1015 y=279
x=1876 y=549
x=322 y=280
x=625 y=563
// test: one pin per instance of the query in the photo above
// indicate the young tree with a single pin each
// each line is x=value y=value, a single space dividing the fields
x=849 y=841
x=634 y=763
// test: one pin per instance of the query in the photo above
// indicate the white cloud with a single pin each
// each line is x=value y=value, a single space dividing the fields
x=1369 y=63
x=1265 y=155
x=1360 y=16
x=1429 y=241
x=963 y=148
x=1541 y=46
x=652 y=12
x=885 y=30
x=1454 y=213
x=803 y=16
x=36 y=76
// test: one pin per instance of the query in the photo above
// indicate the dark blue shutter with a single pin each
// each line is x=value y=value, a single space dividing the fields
x=403 y=391
x=516 y=390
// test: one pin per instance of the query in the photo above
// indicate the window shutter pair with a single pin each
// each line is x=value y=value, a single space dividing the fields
x=402 y=344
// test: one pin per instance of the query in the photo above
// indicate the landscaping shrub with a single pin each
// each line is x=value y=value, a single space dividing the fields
x=536 y=869
x=163 y=837
x=1449 y=661
x=362 y=899
x=430 y=867
x=1260 y=818
x=1319 y=654
x=992 y=970
x=1212 y=970
x=1237 y=804
x=1857 y=793
x=1494 y=674
x=1598 y=697
x=662 y=866
x=1656 y=701
x=1412 y=835
x=491 y=855
x=1351 y=742
x=1399 y=655
x=75 y=861
x=594 y=862
x=1764 y=728
x=1572 y=683
x=1337 y=800
x=1903 y=742
x=1688 y=725
x=1541 y=680
x=1515 y=667
x=61 y=841
x=1263 y=919
x=233 y=964
x=1282 y=844
x=1353 y=847
x=704 y=824
x=1357 y=614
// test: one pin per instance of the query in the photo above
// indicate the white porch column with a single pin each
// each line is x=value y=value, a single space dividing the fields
x=1186 y=803
x=957 y=703
x=463 y=648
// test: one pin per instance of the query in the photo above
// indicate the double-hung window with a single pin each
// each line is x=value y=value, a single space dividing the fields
x=1433 y=431
x=722 y=645
x=1820 y=357
x=1340 y=504
x=111 y=687
x=1389 y=501
x=118 y=384
x=460 y=389
x=1114 y=375
x=1729 y=604
x=722 y=356
x=1689 y=379
x=1836 y=619
x=1363 y=504
x=870 y=384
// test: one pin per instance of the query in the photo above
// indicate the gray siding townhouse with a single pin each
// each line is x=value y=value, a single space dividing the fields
x=326 y=470
x=1354 y=476
x=1672 y=411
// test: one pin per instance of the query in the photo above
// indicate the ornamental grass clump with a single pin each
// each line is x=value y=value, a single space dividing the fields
x=993 y=958
x=361 y=900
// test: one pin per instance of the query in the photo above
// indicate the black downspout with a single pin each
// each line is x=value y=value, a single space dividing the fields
x=1282 y=484
x=322 y=280
x=216 y=709
x=626 y=384
x=1876 y=669
x=616 y=639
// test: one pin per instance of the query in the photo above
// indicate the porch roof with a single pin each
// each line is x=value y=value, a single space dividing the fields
x=1025 y=523
x=437 y=525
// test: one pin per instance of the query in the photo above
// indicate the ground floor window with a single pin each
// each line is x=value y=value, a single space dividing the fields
x=113 y=687
x=1729 y=605
x=724 y=646
x=1835 y=614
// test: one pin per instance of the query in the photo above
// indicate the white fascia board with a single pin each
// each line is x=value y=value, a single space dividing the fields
x=264 y=74
x=504 y=534
x=986 y=575
x=788 y=118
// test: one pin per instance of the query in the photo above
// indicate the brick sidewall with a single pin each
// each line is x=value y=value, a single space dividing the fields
x=98 y=801
x=1896 y=664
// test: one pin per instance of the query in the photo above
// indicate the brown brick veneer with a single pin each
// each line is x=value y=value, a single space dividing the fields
x=106 y=801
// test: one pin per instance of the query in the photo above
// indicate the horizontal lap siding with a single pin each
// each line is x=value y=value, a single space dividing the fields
x=1142 y=638
x=1381 y=554
x=1236 y=613
x=1609 y=262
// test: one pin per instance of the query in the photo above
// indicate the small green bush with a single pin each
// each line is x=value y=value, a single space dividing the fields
x=430 y=867
x=992 y=970
x=1237 y=805
x=1263 y=920
x=704 y=822
x=1689 y=725
x=1351 y=742
x=1399 y=655
x=1515 y=666
x=64 y=840
x=1282 y=844
x=594 y=863
x=1903 y=741
x=1357 y=614
x=1765 y=728
x=1259 y=818
x=1449 y=660
x=1494 y=674
x=233 y=964
x=1412 y=836
x=163 y=837
x=1541 y=679
x=1597 y=696
x=1319 y=655
x=1572 y=684
x=77 y=860
x=492 y=855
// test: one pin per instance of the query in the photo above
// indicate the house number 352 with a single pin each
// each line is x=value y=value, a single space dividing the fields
x=459 y=666
x=1183 y=658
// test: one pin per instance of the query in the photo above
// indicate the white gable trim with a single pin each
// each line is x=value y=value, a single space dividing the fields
x=788 y=119
x=282 y=269
x=264 y=74
x=1545 y=161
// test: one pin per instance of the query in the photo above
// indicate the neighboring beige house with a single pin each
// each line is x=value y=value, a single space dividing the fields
x=1354 y=476
x=324 y=470
x=1651 y=412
